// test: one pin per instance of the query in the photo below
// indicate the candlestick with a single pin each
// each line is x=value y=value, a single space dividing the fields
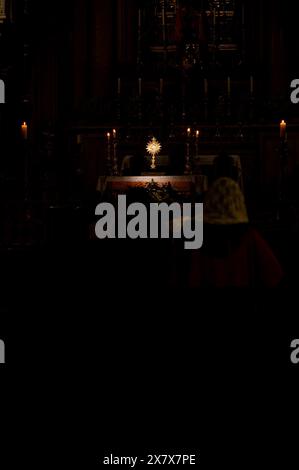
x=283 y=129
x=206 y=87
x=140 y=86
x=228 y=87
x=196 y=142
x=24 y=131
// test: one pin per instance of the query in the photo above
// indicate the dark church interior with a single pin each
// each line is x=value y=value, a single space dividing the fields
x=89 y=83
x=164 y=102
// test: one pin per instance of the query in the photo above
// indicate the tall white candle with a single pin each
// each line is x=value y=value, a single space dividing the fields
x=24 y=131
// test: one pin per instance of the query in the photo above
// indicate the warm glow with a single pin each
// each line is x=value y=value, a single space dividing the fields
x=197 y=134
x=153 y=148
x=24 y=130
x=283 y=128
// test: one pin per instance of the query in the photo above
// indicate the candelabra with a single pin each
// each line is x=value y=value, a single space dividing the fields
x=283 y=157
x=108 y=161
x=115 y=159
x=188 y=156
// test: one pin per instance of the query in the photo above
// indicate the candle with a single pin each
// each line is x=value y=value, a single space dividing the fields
x=108 y=137
x=24 y=131
x=228 y=86
x=206 y=86
x=118 y=86
x=114 y=134
x=188 y=132
x=251 y=85
x=140 y=86
x=196 y=144
x=161 y=86
x=283 y=129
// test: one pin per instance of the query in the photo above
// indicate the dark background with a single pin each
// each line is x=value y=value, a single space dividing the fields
x=101 y=355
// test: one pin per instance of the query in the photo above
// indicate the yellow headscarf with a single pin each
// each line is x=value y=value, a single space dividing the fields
x=225 y=204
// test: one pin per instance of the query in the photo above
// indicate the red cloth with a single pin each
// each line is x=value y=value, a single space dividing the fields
x=250 y=263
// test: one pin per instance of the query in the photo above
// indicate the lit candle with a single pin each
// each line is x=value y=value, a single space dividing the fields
x=114 y=133
x=251 y=85
x=108 y=137
x=188 y=132
x=161 y=86
x=283 y=129
x=206 y=86
x=118 y=86
x=140 y=86
x=228 y=87
x=24 y=131
x=196 y=144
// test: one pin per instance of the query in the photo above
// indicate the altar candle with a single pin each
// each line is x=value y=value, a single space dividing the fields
x=228 y=87
x=140 y=86
x=283 y=129
x=108 y=137
x=196 y=143
x=118 y=86
x=24 y=131
x=114 y=133
x=251 y=85
x=188 y=132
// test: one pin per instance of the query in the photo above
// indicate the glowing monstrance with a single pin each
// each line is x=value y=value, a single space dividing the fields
x=153 y=148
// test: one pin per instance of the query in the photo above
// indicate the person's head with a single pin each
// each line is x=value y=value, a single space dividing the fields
x=225 y=204
x=224 y=166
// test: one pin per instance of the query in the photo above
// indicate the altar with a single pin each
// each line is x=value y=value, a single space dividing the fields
x=187 y=184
